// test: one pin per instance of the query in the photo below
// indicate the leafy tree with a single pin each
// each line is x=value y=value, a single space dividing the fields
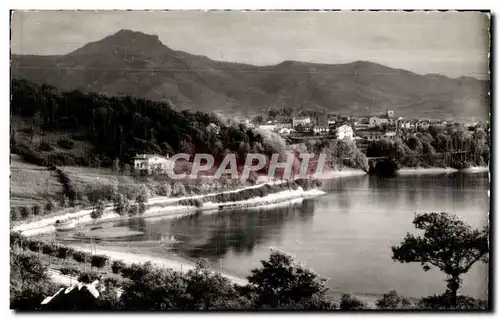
x=444 y=301
x=99 y=261
x=392 y=300
x=29 y=281
x=81 y=257
x=88 y=277
x=349 y=302
x=121 y=204
x=448 y=243
x=25 y=212
x=117 y=266
x=64 y=252
x=281 y=282
x=98 y=210
x=207 y=289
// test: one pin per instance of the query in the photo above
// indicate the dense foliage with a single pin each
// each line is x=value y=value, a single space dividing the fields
x=452 y=146
x=121 y=127
x=280 y=283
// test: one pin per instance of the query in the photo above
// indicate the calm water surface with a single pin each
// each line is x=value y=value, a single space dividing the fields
x=345 y=235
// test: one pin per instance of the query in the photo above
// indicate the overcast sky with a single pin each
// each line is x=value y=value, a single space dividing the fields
x=449 y=43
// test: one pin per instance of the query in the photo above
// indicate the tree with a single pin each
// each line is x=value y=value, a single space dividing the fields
x=349 y=302
x=29 y=281
x=99 y=261
x=392 y=300
x=207 y=289
x=98 y=210
x=448 y=243
x=121 y=204
x=117 y=266
x=281 y=282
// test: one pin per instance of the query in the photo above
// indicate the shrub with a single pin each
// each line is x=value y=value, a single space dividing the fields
x=88 y=277
x=121 y=204
x=349 y=302
x=37 y=209
x=392 y=300
x=25 y=212
x=81 y=257
x=15 y=214
x=133 y=210
x=35 y=245
x=64 y=252
x=178 y=189
x=137 y=271
x=99 y=261
x=49 y=249
x=50 y=205
x=70 y=271
x=117 y=266
x=98 y=210
x=164 y=190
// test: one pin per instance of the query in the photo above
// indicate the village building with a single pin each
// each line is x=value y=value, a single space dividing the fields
x=301 y=120
x=323 y=129
x=387 y=118
x=152 y=163
x=344 y=132
x=268 y=127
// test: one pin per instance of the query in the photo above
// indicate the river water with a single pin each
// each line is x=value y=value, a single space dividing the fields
x=345 y=235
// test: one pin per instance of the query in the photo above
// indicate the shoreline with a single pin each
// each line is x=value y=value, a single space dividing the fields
x=155 y=209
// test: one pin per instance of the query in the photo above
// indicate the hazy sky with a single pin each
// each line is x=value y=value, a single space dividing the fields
x=450 y=43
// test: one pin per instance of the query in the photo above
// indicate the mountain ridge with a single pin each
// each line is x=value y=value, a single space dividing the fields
x=138 y=64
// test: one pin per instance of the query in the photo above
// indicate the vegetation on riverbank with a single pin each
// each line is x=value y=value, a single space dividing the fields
x=280 y=283
x=453 y=147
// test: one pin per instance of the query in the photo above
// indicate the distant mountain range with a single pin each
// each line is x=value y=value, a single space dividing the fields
x=138 y=64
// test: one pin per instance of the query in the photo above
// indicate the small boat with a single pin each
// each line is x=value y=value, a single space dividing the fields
x=63 y=226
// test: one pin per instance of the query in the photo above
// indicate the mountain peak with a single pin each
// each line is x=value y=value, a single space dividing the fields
x=123 y=42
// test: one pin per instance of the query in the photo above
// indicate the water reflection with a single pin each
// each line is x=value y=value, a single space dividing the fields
x=344 y=235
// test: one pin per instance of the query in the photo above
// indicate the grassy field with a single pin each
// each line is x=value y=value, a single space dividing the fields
x=30 y=183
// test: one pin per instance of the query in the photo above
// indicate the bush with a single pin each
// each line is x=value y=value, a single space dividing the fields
x=164 y=190
x=133 y=210
x=35 y=245
x=64 y=252
x=70 y=271
x=443 y=301
x=99 y=261
x=15 y=214
x=25 y=212
x=37 y=210
x=349 y=302
x=117 y=266
x=178 y=189
x=98 y=211
x=50 y=205
x=121 y=204
x=81 y=257
x=392 y=300
x=137 y=271
x=49 y=249
x=88 y=277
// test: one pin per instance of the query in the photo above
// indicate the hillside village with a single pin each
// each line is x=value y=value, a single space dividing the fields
x=363 y=129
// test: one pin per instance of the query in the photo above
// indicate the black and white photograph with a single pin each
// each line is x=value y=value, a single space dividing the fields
x=250 y=160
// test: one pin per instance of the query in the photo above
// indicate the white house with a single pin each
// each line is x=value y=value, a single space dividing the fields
x=345 y=132
x=377 y=121
x=268 y=127
x=302 y=120
x=152 y=163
